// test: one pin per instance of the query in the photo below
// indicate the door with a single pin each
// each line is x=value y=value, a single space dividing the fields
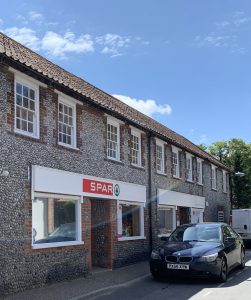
x=231 y=249
x=184 y=214
x=101 y=233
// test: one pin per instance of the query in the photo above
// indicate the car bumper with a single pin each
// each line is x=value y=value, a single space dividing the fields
x=196 y=269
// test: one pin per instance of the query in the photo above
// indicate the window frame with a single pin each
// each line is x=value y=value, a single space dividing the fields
x=137 y=134
x=141 y=221
x=189 y=157
x=199 y=174
x=214 y=178
x=79 y=240
x=31 y=84
x=115 y=123
x=67 y=102
x=175 y=151
x=161 y=144
x=224 y=181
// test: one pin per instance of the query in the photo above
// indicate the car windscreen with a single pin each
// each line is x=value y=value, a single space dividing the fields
x=197 y=233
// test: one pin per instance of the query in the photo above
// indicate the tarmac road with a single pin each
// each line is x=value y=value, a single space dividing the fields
x=238 y=286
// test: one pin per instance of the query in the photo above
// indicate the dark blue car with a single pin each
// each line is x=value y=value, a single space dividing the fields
x=204 y=249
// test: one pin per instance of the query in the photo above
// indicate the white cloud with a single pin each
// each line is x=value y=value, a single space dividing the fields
x=24 y=36
x=35 y=16
x=215 y=40
x=22 y=19
x=222 y=24
x=61 y=45
x=113 y=44
x=227 y=33
x=148 y=106
x=58 y=45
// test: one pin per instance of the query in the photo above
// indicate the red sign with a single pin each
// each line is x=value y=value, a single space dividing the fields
x=97 y=187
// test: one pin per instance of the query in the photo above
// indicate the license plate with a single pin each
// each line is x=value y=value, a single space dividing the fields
x=177 y=266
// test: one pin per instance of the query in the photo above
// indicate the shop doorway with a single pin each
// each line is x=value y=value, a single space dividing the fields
x=184 y=215
x=101 y=233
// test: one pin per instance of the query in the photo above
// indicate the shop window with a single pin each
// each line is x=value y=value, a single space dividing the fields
x=166 y=220
x=55 y=220
x=130 y=221
x=26 y=108
x=66 y=124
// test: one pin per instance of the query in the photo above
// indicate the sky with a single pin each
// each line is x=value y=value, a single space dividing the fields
x=186 y=64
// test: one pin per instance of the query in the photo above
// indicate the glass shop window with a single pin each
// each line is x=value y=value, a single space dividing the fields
x=55 y=220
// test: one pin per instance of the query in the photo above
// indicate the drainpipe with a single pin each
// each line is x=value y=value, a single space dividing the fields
x=149 y=188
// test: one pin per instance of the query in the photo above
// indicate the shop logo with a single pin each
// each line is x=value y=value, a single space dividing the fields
x=97 y=187
x=116 y=190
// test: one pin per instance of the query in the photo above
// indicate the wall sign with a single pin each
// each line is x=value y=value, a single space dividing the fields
x=98 y=187
x=48 y=180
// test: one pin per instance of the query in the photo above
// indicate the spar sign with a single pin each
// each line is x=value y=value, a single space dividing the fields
x=100 y=187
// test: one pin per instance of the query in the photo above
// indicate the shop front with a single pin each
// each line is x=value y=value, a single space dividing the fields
x=176 y=208
x=115 y=214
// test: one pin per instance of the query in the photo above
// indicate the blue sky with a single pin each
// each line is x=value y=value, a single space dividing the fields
x=185 y=63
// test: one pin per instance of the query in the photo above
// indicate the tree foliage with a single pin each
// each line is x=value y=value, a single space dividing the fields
x=237 y=155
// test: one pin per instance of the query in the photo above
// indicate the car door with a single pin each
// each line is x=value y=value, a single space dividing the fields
x=238 y=245
x=229 y=247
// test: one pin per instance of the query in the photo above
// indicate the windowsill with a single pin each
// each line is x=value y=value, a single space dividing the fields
x=68 y=146
x=137 y=166
x=177 y=177
x=189 y=181
x=212 y=189
x=131 y=238
x=199 y=183
x=114 y=160
x=161 y=173
x=24 y=133
x=225 y=192
x=53 y=245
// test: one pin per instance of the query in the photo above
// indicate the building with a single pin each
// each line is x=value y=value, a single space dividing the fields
x=86 y=180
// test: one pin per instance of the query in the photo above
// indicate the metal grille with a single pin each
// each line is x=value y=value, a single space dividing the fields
x=177 y=259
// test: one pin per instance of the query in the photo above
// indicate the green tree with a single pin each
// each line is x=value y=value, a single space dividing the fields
x=237 y=155
x=203 y=146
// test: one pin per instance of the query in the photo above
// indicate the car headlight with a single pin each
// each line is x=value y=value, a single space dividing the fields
x=209 y=258
x=155 y=255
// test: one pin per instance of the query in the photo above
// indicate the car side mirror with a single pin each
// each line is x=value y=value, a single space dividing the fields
x=164 y=238
x=230 y=240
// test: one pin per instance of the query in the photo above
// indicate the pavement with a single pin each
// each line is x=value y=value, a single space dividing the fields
x=97 y=282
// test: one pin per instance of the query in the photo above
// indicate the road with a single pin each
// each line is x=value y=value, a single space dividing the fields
x=238 y=286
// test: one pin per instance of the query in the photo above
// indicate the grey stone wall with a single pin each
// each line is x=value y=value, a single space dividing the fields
x=215 y=199
x=21 y=268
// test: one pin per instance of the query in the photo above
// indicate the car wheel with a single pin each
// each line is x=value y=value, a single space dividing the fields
x=223 y=272
x=242 y=264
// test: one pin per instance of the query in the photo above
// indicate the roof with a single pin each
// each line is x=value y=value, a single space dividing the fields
x=19 y=53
